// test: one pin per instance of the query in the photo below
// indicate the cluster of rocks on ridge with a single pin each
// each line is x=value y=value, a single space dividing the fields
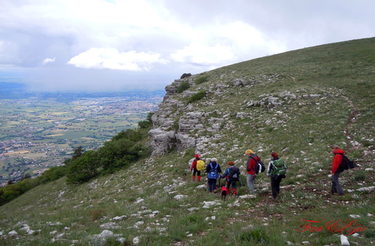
x=178 y=125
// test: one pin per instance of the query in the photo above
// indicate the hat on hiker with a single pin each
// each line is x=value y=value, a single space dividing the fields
x=196 y=156
x=231 y=163
x=249 y=151
x=274 y=155
x=214 y=159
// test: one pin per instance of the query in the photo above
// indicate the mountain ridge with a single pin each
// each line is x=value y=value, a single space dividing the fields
x=296 y=104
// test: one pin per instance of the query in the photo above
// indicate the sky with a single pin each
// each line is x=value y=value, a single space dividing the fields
x=114 y=45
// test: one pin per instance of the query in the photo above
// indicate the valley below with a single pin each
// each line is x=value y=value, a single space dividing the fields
x=39 y=133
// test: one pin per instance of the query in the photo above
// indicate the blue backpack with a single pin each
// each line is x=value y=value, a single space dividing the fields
x=213 y=174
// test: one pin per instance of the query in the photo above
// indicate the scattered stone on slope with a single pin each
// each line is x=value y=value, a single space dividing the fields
x=139 y=200
x=100 y=239
x=248 y=196
x=54 y=224
x=210 y=204
x=138 y=223
x=367 y=189
x=180 y=197
x=193 y=209
x=119 y=218
x=13 y=234
x=27 y=229
x=136 y=241
x=110 y=225
x=344 y=240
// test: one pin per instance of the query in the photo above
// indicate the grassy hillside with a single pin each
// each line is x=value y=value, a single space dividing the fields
x=296 y=103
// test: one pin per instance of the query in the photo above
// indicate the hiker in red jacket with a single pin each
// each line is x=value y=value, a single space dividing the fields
x=250 y=168
x=194 y=167
x=336 y=170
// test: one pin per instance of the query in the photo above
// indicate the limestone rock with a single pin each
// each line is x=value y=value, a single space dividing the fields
x=180 y=197
x=184 y=141
x=13 y=234
x=160 y=141
x=185 y=75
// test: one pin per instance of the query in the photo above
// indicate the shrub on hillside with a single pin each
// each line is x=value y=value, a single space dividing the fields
x=84 y=168
x=52 y=174
x=196 y=97
x=12 y=191
x=116 y=154
x=183 y=86
x=124 y=149
x=147 y=122
x=201 y=80
x=129 y=134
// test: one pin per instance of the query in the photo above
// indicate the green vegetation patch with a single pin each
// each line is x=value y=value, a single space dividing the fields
x=201 y=80
x=183 y=86
x=196 y=97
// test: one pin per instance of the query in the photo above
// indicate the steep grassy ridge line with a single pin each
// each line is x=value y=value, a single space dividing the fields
x=296 y=103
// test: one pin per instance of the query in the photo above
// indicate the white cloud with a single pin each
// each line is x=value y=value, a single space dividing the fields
x=137 y=35
x=204 y=54
x=110 y=58
x=48 y=60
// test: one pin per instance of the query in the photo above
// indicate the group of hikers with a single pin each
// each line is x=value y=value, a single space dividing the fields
x=276 y=171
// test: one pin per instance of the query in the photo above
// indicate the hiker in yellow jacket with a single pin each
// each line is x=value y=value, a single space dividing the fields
x=197 y=167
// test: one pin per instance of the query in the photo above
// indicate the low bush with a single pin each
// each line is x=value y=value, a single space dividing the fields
x=183 y=86
x=147 y=123
x=124 y=148
x=360 y=176
x=84 y=168
x=52 y=174
x=196 y=97
x=201 y=80
x=12 y=191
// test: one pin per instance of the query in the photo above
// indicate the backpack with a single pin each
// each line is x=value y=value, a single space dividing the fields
x=259 y=166
x=346 y=163
x=213 y=174
x=233 y=174
x=279 y=167
x=200 y=165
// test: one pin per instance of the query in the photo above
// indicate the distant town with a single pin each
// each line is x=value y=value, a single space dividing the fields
x=40 y=132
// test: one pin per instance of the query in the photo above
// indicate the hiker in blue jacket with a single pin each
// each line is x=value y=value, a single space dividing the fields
x=213 y=169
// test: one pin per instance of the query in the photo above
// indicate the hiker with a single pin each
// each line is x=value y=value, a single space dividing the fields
x=196 y=168
x=213 y=170
x=336 y=170
x=232 y=175
x=277 y=170
x=250 y=168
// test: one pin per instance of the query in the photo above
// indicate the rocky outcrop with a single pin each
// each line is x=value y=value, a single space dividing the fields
x=185 y=75
x=180 y=125
x=161 y=141
x=185 y=141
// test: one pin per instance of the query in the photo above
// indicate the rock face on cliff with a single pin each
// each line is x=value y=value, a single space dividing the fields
x=166 y=133
x=182 y=123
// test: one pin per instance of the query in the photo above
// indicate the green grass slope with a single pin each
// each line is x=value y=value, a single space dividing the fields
x=325 y=95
